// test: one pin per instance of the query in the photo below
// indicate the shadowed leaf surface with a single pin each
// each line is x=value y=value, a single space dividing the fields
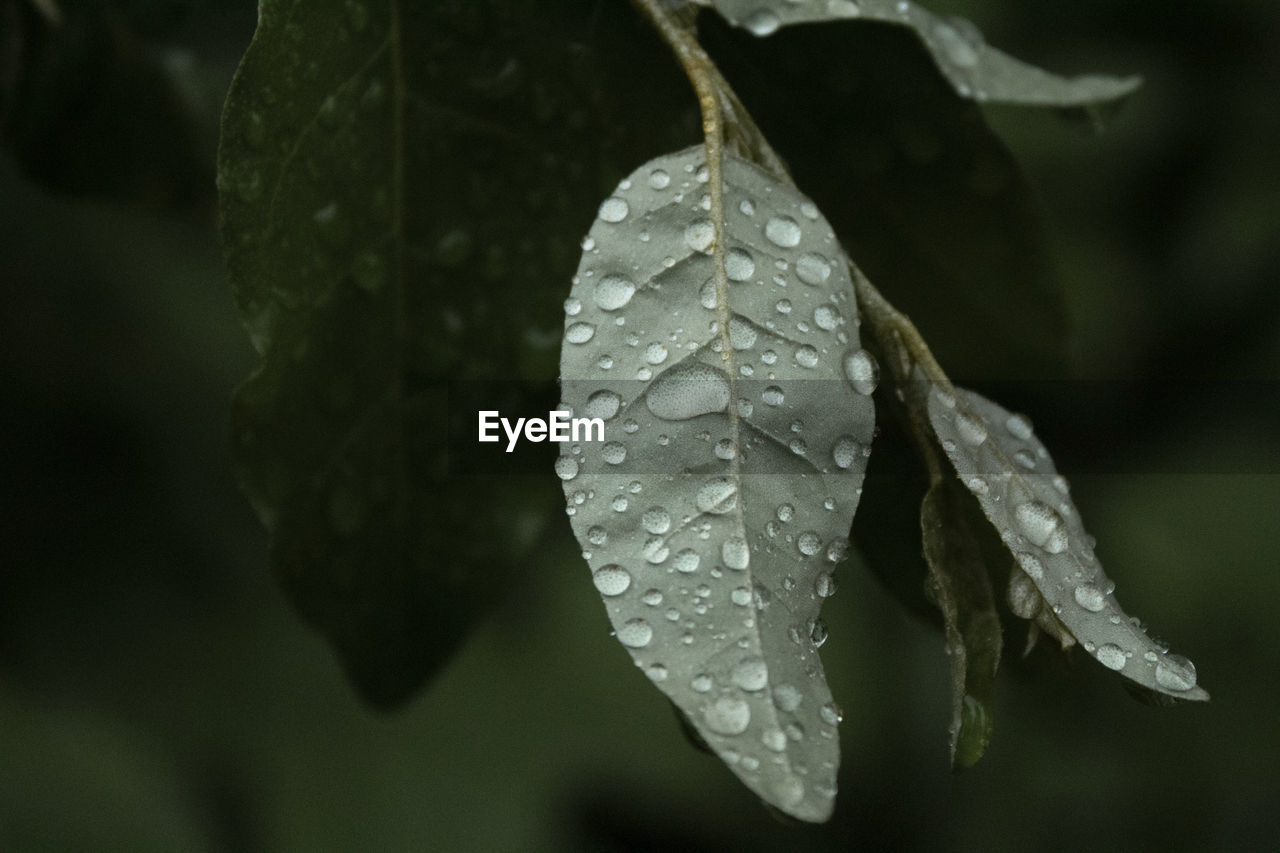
x=401 y=187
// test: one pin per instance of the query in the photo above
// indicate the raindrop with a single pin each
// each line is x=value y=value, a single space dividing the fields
x=1019 y=427
x=686 y=561
x=1090 y=597
x=566 y=467
x=826 y=317
x=739 y=265
x=1023 y=597
x=740 y=596
x=699 y=235
x=613 y=292
x=782 y=231
x=701 y=683
x=619 y=503
x=846 y=452
x=635 y=633
x=597 y=535
x=774 y=740
x=750 y=674
x=862 y=370
x=747 y=207
x=1031 y=565
x=655 y=550
x=656 y=520
x=1042 y=525
x=762 y=23
x=688 y=390
x=735 y=553
x=659 y=179
x=812 y=268
x=602 y=404
x=807 y=356
x=772 y=396
x=652 y=597
x=809 y=543
x=612 y=580
x=579 y=333
x=824 y=585
x=614 y=209
x=786 y=512
x=1111 y=656
x=783 y=306
x=728 y=715
x=742 y=335
x=725 y=449
x=614 y=453
x=1174 y=672
x=818 y=633
x=656 y=353
x=572 y=306
x=787 y=697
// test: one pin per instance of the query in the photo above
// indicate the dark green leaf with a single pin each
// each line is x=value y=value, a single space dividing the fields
x=402 y=187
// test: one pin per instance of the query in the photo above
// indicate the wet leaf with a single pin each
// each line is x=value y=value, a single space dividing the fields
x=714 y=507
x=1060 y=583
x=952 y=531
x=974 y=69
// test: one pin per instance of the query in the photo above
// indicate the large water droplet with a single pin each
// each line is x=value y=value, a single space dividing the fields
x=1090 y=597
x=1111 y=656
x=809 y=543
x=656 y=520
x=686 y=561
x=742 y=334
x=635 y=633
x=1019 y=427
x=614 y=291
x=612 y=580
x=812 y=268
x=736 y=553
x=566 y=467
x=579 y=333
x=846 y=452
x=1042 y=526
x=750 y=674
x=1174 y=672
x=602 y=404
x=772 y=396
x=807 y=356
x=782 y=231
x=739 y=265
x=827 y=318
x=659 y=179
x=787 y=697
x=699 y=235
x=728 y=715
x=688 y=390
x=1031 y=565
x=614 y=209
x=613 y=452
x=862 y=371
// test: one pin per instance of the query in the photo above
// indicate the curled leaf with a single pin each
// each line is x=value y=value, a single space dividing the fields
x=1060 y=582
x=714 y=508
x=975 y=69
x=961 y=589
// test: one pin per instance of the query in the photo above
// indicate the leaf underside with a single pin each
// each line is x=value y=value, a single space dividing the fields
x=716 y=508
x=973 y=68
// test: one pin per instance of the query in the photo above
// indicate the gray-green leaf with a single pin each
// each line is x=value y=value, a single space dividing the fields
x=1060 y=583
x=716 y=507
x=974 y=69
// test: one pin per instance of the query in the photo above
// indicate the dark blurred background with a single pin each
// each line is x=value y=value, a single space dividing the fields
x=158 y=693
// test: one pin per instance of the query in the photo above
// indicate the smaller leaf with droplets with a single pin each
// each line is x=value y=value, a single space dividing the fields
x=972 y=67
x=1059 y=583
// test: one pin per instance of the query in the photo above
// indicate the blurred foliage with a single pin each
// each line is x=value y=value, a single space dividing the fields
x=157 y=693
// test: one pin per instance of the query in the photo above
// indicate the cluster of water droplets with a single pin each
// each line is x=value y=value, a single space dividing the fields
x=737 y=424
x=1060 y=583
